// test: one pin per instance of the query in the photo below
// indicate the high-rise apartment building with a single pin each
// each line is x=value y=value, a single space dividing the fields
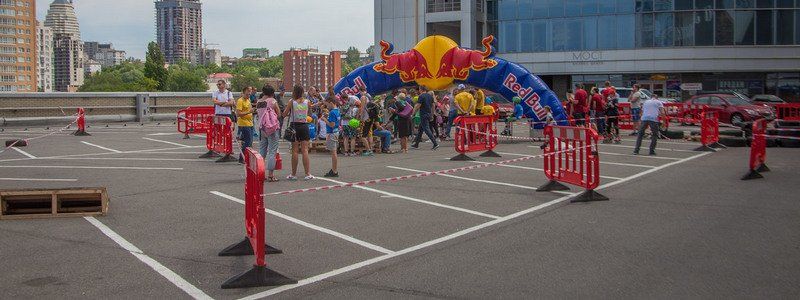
x=18 y=46
x=179 y=29
x=104 y=54
x=44 y=65
x=67 y=46
x=307 y=67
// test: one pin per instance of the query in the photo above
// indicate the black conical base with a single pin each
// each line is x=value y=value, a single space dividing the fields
x=589 y=196
x=552 y=185
x=81 y=133
x=209 y=154
x=763 y=168
x=244 y=248
x=16 y=143
x=753 y=174
x=490 y=153
x=257 y=277
x=226 y=158
x=186 y=136
x=705 y=148
x=462 y=157
x=718 y=146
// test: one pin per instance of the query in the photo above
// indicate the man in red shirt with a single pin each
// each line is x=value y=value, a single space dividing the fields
x=597 y=110
x=580 y=105
x=609 y=93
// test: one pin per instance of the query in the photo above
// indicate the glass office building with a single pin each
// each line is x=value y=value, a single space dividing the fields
x=669 y=46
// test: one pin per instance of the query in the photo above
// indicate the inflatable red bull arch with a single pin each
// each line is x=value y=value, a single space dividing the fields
x=437 y=63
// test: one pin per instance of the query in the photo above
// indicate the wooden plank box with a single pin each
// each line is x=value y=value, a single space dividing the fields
x=52 y=203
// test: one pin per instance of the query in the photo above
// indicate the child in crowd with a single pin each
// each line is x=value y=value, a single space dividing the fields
x=332 y=120
x=349 y=133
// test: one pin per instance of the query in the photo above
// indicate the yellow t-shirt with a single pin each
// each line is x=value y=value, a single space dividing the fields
x=481 y=100
x=464 y=100
x=487 y=110
x=244 y=105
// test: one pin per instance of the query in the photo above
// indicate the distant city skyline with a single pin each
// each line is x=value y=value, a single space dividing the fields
x=276 y=25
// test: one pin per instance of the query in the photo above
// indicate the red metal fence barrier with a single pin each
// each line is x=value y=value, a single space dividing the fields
x=475 y=133
x=571 y=157
x=81 y=123
x=625 y=117
x=787 y=112
x=758 y=151
x=709 y=132
x=194 y=119
x=219 y=139
x=254 y=224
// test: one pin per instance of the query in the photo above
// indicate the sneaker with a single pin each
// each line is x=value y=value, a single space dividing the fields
x=331 y=174
x=241 y=161
x=415 y=146
x=291 y=178
x=308 y=177
x=635 y=153
x=366 y=153
x=652 y=154
x=633 y=133
x=435 y=146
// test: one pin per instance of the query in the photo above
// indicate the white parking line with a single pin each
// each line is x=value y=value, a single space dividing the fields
x=101 y=147
x=366 y=263
x=478 y=180
x=166 y=142
x=90 y=167
x=645 y=146
x=665 y=142
x=602 y=162
x=477 y=213
x=129 y=159
x=38 y=179
x=534 y=169
x=312 y=226
x=23 y=152
x=642 y=156
x=104 y=153
x=176 y=279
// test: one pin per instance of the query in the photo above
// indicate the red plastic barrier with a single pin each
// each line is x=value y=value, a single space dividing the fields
x=758 y=151
x=625 y=116
x=709 y=132
x=692 y=114
x=571 y=157
x=475 y=133
x=194 y=119
x=81 y=123
x=219 y=139
x=254 y=220
x=788 y=112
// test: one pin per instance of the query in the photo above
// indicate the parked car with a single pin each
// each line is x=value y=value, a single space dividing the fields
x=731 y=108
x=625 y=93
x=767 y=100
x=503 y=106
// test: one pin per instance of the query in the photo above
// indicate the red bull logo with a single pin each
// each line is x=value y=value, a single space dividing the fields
x=457 y=62
x=529 y=97
x=411 y=65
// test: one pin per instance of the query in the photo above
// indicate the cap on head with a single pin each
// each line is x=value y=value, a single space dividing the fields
x=462 y=86
x=516 y=100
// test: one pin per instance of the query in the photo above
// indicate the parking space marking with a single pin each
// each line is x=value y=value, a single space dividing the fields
x=631 y=155
x=667 y=142
x=312 y=226
x=366 y=263
x=479 y=180
x=166 y=142
x=477 y=213
x=23 y=152
x=129 y=159
x=101 y=147
x=534 y=169
x=661 y=149
x=90 y=167
x=104 y=153
x=176 y=279
x=602 y=162
x=38 y=179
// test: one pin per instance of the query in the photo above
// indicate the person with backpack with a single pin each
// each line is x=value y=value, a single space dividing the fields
x=425 y=108
x=298 y=132
x=269 y=127
x=350 y=133
x=403 y=111
x=369 y=116
x=333 y=120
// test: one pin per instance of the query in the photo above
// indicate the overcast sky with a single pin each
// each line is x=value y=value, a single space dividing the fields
x=234 y=24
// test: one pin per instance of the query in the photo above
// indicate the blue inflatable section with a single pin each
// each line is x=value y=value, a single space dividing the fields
x=505 y=78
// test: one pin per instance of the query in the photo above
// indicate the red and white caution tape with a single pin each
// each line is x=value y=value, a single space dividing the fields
x=41 y=136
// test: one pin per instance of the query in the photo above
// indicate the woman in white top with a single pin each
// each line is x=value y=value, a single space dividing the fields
x=297 y=112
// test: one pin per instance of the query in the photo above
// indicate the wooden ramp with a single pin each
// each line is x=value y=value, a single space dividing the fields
x=52 y=203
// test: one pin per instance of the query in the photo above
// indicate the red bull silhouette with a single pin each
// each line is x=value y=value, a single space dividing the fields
x=457 y=62
x=411 y=65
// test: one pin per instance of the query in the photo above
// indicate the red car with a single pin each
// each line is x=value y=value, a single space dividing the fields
x=731 y=108
x=502 y=106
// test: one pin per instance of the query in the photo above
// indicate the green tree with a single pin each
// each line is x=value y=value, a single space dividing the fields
x=127 y=77
x=353 y=57
x=154 y=65
x=273 y=67
x=184 y=79
x=240 y=81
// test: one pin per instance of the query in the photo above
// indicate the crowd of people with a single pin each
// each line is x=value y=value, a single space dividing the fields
x=346 y=124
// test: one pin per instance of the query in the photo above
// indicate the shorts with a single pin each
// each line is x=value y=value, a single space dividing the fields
x=349 y=132
x=636 y=114
x=366 y=128
x=302 y=132
x=332 y=142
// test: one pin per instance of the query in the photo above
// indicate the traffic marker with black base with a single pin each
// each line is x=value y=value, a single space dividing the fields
x=258 y=276
x=552 y=185
x=489 y=153
x=753 y=174
x=589 y=196
x=16 y=143
x=461 y=157
x=245 y=248
x=226 y=158
x=209 y=154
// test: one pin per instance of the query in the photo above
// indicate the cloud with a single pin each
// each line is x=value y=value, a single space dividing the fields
x=233 y=24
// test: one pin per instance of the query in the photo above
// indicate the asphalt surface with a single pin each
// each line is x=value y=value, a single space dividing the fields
x=679 y=225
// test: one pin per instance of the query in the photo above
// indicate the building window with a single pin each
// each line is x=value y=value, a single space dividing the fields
x=684 y=29
x=443 y=5
x=607 y=30
x=663 y=30
x=724 y=27
x=744 y=28
x=764 y=28
x=785 y=21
